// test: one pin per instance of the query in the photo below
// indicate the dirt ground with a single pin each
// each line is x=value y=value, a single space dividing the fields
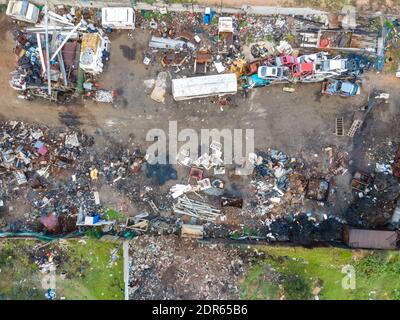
x=300 y=124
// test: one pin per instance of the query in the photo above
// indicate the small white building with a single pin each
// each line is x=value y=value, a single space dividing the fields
x=118 y=18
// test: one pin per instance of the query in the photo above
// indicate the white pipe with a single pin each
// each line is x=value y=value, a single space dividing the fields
x=65 y=40
x=39 y=42
x=55 y=16
x=46 y=19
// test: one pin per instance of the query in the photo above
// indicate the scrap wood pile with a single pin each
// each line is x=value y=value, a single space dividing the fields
x=196 y=209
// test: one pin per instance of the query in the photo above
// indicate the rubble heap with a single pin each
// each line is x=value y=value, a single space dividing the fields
x=165 y=268
x=58 y=174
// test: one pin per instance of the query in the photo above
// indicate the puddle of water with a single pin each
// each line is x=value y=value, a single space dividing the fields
x=128 y=53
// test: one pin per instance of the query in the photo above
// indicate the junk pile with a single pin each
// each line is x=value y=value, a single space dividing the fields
x=196 y=209
x=262 y=50
x=382 y=156
x=212 y=273
x=34 y=160
x=55 y=57
x=182 y=41
x=376 y=190
x=277 y=180
x=374 y=207
x=304 y=229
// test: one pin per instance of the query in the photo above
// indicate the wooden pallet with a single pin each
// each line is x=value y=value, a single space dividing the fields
x=354 y=127
x=339 y=129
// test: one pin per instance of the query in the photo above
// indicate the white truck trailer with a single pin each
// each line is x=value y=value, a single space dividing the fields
x=204 y=86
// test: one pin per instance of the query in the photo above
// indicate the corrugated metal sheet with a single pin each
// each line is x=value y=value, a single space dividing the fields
x=372 y=239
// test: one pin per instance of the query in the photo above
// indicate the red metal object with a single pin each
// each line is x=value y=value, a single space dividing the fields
x=325 y=43
x=396 y=164
x=287 y=60
x=196 y=173
x=302 y=69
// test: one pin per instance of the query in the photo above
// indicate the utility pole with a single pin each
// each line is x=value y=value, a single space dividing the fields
x=46 y=24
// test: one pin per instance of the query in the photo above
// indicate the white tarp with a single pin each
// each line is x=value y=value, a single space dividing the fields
x=205 y=86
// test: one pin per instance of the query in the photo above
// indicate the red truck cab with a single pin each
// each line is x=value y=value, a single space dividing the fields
x=302 y=69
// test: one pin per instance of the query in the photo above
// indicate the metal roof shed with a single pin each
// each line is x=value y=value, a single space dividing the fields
x=371 y=239
x=204 y=86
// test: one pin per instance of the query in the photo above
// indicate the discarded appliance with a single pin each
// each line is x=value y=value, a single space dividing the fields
x=118 y=18
x=204 y=184
x=347 y=17
x=192 y=231
x=225 y=34
x=23 y=11
x=204 y=86
x=370 y=239
x=179 y=189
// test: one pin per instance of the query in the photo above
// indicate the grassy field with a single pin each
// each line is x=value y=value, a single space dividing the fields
x=89 y=269
x=299 y=273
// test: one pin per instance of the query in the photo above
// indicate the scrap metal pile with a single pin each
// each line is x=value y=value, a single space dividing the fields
x=58 y=174
x=61 y=56
x=263 y=50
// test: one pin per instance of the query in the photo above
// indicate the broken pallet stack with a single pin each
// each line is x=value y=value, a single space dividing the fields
x=339 y=129
x=354 y=127
x=196 y=209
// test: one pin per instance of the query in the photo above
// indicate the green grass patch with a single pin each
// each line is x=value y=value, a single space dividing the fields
x=257 y=287
x=303 y=270
x=112 y=214
x=84 y=270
